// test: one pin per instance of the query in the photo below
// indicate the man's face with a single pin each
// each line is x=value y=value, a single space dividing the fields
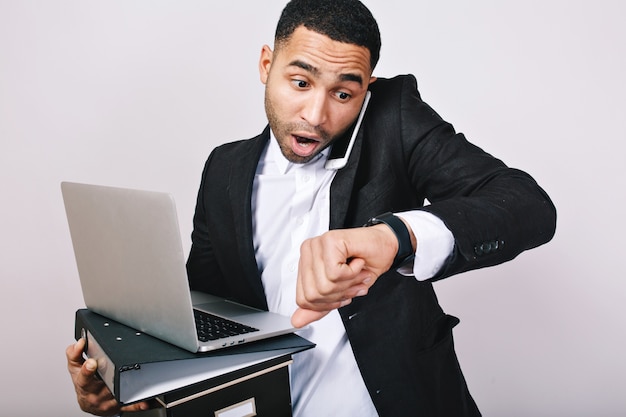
x=314 y=89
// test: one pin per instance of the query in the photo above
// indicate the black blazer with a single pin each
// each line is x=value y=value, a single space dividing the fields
x=405 y=153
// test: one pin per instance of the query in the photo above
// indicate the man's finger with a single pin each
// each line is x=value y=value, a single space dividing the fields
x=85 y=376
x=302 y=317
x=142 y=406
x=74 y=353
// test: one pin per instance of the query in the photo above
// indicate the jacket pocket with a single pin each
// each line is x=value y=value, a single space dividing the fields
x=442 y=382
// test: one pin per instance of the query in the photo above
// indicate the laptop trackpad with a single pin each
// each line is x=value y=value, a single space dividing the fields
x=225 y=308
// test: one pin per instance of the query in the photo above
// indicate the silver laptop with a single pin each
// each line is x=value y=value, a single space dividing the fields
x=132 y=269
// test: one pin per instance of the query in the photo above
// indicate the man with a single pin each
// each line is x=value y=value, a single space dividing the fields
x=277 y=230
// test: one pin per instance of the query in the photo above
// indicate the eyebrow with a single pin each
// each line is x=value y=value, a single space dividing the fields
x=315 y=71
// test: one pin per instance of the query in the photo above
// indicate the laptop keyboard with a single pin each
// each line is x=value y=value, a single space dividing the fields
x=212 y=327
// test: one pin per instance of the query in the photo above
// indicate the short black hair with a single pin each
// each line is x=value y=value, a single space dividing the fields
x=347 y=21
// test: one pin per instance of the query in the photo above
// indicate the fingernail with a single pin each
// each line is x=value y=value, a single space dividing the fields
x=361 y=293
x=91 y=365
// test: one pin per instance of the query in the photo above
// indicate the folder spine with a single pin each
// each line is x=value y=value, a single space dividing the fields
x=136 y=366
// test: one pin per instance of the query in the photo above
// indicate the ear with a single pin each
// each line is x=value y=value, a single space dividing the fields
x=265 y=63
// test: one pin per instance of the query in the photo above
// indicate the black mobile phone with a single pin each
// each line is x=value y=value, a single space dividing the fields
x=340 y=151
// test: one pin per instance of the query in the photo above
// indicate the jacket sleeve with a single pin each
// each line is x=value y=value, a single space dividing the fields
x=493 y=211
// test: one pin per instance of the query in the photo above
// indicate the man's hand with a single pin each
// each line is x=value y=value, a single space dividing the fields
x=93 y=395
x=338 y=266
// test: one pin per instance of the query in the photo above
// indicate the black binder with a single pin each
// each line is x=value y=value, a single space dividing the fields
x=136 y=366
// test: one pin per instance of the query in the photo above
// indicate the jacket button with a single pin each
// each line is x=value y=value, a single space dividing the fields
x=487 y=247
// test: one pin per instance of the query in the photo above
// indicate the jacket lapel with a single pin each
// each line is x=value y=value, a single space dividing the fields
x=240 y=183
x=342 y=186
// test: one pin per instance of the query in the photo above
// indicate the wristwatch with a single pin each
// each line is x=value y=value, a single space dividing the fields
x=405 y=248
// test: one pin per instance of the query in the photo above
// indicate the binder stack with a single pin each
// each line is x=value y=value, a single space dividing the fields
x=248 y=380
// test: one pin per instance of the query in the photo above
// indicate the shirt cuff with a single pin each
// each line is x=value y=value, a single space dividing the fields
x=435 y=244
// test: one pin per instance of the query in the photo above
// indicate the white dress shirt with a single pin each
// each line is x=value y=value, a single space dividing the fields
x=291 y=203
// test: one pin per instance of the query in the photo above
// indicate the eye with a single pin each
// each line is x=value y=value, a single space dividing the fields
x=342 y=95
x=301 y=84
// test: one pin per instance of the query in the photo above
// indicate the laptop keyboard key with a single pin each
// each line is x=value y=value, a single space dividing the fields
x=212 y=327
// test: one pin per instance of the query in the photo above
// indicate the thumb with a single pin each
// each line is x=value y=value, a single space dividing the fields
x=74 y=353
x=302 y=317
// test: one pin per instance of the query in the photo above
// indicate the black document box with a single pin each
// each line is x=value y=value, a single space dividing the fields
x=246 y=380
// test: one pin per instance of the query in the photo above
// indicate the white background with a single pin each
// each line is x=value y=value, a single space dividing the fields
x=137 y=93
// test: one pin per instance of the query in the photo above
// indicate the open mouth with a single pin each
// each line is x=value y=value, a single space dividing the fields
x=304 y=141
x=304 y=146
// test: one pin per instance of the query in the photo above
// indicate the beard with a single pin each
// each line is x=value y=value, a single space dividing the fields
x=282 y=132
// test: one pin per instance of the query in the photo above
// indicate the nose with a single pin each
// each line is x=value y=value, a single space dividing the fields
x=315 y=109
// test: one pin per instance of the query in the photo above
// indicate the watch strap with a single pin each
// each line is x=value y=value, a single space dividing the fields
x=405 y=248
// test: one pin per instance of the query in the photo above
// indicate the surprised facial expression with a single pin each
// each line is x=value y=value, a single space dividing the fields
x=314 y=89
